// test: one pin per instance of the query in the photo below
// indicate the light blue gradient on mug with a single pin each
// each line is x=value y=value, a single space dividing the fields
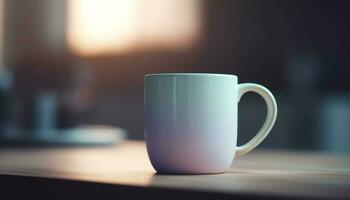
x=191 y=122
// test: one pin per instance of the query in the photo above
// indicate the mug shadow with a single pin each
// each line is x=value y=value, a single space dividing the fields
x=187 y=180
x=185 y=174
x=161 y=177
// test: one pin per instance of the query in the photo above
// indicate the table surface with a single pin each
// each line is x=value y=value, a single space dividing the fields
x=259 y=173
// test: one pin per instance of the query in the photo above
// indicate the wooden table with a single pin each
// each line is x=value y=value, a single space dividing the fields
x=124 y=171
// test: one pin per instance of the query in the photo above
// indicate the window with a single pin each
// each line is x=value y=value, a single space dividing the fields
x=120 y=26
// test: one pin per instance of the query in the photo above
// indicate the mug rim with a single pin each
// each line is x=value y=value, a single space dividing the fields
x=190 y=74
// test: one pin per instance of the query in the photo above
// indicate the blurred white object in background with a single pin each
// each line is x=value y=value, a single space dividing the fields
x=87 y=135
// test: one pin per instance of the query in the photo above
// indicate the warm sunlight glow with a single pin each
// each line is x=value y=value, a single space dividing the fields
x=119 y=26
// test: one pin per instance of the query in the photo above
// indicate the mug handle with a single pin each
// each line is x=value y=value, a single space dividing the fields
x=270 y=116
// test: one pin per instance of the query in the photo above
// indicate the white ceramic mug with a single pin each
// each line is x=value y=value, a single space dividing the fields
x=191 y=121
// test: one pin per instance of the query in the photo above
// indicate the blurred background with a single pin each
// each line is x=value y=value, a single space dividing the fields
x=64 y=64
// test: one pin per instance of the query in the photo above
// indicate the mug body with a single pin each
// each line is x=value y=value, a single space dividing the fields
x=191 y=122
